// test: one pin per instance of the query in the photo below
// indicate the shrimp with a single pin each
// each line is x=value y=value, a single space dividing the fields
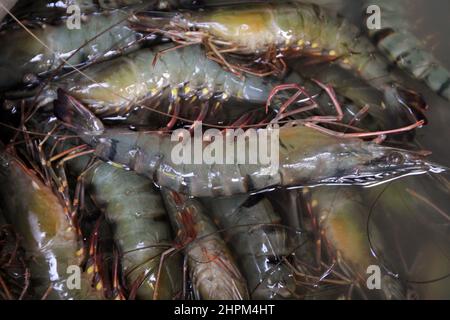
x=341 y=216
x=212 y=268
x=308 y=155
x=184 y=84
x=260 y=243
x=35 y=52
x=271 y=31
x=141 y=230
x=115 y=88
x=48 y=236
x=405 y=50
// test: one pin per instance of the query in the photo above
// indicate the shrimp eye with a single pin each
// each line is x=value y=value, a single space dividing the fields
x=396 y=158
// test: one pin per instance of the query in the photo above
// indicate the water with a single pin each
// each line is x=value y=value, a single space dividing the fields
x=428 y=237
x=412 y=214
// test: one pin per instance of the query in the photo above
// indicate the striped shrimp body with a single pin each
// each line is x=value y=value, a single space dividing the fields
x=26 y=58
x=48 y=237
x=182 y=76
x=292 y=29
x=213 y=271
x=141 y=230
x=260 y=244
x=404 y=49
x=343 y=226
x=185 y=84
x=307 y=156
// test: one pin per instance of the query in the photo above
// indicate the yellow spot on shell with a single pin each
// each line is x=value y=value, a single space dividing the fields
x=332 y=53
x=301 y=42
x=305 y=190
x=99 y=286
x=205 y=91
x=187 y=89
x=80 y=252
x=315 y=45
x=153 y=91
x=174 y=92
x=116 y=165
x=90 y=270
x=314 y=203
x=346 y=61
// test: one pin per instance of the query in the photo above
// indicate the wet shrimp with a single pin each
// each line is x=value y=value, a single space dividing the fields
x=260 y=242
x=405 y=50
x=179 y=80
x=342 y=220
x=212 y=268
x=34 y=53
x=141 y=230
x=307 y=156
x=48 y=236
x=271 y=31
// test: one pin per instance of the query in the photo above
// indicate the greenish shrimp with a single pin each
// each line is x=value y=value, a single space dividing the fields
x=48 y=236
x=141 y=230
x=342 y=221
x=39 y=50
x=279 y=30
x=212 y=268
x=405 y=50
x=260 y=243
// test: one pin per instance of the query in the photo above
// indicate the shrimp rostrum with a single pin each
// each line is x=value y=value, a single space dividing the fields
x=306 y=156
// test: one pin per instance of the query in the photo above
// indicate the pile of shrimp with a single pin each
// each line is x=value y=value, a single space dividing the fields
x=93 y=206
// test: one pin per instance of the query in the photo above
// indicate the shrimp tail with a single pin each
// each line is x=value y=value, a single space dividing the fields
x=75 y=115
